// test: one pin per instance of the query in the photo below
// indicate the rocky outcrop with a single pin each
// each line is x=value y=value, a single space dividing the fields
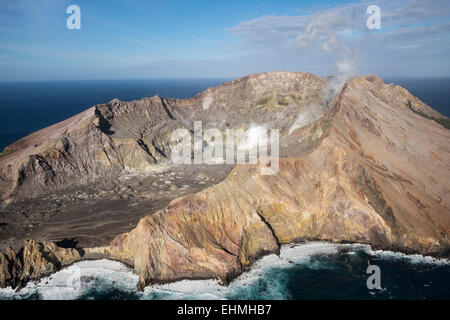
x=84 y=148
x=366 y=167
x=34 y=261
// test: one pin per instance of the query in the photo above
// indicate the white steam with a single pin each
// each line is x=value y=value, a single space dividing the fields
x=306 y=117
x=346 y=68
x=256 y=135
x=328 y=28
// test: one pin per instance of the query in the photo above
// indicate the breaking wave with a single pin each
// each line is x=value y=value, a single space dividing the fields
x=315 y=270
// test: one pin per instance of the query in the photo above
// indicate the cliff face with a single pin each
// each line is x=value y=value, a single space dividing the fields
x=363 y=168
x=110 y=140
x=379 y=176
x=84 y=148
x=33 y=261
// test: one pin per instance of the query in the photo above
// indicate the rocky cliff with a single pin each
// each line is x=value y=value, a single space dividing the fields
x=369 y=165
x=34 y=261
x=110 y=140
x=380 y=175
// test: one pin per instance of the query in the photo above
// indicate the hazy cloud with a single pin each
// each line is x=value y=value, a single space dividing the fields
x=341 y=30
x=401 y=20
x=272 y=31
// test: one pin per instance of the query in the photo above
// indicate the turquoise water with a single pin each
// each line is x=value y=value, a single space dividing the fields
x=309 y=271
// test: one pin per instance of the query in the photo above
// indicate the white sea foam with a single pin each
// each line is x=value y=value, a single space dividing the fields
x=211 y=289
x=411 y=258
x=87 y=278
x=75 y=280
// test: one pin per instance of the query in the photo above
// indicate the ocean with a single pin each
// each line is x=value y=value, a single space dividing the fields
x=310 y=271
x=29 y=106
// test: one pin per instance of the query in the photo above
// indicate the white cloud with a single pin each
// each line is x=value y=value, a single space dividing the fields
x=269 y=30
x=404 y=18
x=341 y=32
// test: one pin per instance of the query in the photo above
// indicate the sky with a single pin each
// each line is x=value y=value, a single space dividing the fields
x=122 y=39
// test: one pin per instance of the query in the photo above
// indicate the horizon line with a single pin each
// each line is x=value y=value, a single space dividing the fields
x=210 y=78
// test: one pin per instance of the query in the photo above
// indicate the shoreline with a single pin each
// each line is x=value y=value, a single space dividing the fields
x=288 y=252
x=95 y=254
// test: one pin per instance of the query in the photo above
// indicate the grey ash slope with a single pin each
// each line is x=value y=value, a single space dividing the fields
x=93 y=176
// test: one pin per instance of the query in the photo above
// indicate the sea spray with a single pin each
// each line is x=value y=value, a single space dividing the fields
x=316 y=270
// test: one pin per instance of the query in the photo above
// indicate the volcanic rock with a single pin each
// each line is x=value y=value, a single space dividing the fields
x=370 y=165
